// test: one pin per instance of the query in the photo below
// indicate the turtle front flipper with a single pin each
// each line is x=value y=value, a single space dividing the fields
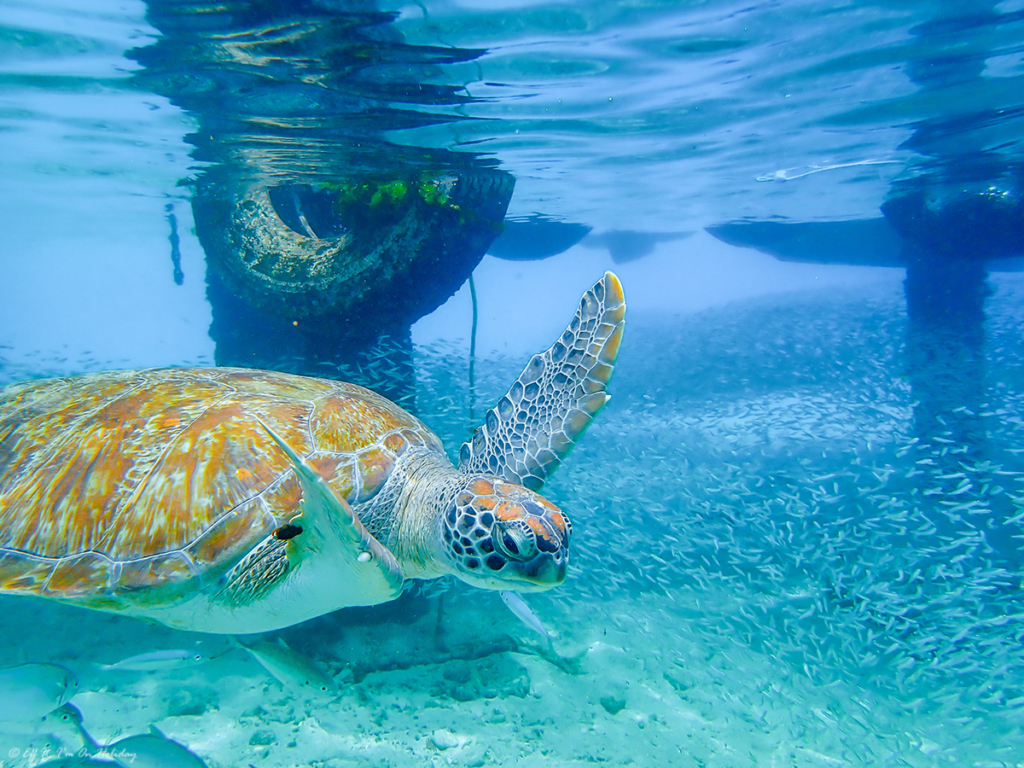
x=537 y=422
x=323 y=549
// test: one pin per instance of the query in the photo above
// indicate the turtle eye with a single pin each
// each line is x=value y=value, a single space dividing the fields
x=515 y=540
x=510 y=543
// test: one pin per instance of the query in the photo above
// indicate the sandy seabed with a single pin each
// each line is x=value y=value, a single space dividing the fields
x=634 y=685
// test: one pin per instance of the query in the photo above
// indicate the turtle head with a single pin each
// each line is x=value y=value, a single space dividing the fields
x=499 y=535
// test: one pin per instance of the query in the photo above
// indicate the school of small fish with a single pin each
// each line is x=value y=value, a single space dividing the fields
x=759 y=468
x=758 y=472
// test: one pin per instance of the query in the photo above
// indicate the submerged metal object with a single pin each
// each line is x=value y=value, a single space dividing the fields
x=348 y=260
x=322 y=233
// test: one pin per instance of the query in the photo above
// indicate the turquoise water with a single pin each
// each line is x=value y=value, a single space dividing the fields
x=797 y=525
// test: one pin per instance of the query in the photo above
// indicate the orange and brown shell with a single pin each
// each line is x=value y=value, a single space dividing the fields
x=140 y=487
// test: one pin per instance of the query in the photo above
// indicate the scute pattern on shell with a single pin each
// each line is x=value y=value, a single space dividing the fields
x=135 y=479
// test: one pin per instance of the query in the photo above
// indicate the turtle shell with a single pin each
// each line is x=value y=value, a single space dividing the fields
x=141 y=487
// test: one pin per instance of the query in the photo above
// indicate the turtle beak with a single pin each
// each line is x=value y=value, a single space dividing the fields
x=545 y=571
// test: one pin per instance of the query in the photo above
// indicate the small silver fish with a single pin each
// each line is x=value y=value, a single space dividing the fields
x=291 y=669
x=524 y=613
x=155 y=660
x=32 y=691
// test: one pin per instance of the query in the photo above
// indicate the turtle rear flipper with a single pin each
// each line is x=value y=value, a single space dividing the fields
x=535 y=425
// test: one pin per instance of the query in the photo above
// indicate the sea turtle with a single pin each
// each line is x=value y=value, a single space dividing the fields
x=235 y=500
